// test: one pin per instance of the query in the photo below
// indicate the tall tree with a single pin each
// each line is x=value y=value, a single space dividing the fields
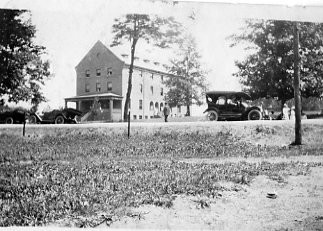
x=22 y=69
x=134 y=27
x=189 y=81
x=268 y=70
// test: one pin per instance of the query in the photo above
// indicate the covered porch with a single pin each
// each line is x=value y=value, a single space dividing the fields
x=98 y=107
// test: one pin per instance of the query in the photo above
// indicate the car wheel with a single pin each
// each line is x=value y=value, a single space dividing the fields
x=59 y=120
x=32 y=119
x=213 y=115
x=9 y=120
x=254 y=115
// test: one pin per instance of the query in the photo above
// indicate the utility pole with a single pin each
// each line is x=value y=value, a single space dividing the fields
x=297 y=93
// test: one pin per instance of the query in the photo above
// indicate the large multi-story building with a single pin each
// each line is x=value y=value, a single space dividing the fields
x=102 y=76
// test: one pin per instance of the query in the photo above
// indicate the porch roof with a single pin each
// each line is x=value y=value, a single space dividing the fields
x=102 y=95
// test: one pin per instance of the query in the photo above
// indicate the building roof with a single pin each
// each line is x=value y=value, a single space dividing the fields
x=145 y=59
x=105 y=95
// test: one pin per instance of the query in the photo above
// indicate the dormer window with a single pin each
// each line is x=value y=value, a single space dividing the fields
x=125 y=56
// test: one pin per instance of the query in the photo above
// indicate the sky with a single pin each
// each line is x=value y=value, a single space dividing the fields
x=69 y=28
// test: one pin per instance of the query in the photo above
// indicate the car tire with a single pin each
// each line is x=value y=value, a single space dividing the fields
x=32 y=119
x=9 y=120
x=59 y=119
x=254 y=115
x=213 y=115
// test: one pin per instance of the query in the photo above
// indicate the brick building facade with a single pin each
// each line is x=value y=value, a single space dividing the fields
x=102 y=76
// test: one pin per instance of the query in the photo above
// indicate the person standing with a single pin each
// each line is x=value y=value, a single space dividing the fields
x=166 y=112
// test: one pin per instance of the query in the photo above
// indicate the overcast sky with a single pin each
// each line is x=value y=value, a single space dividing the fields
x=69 y=28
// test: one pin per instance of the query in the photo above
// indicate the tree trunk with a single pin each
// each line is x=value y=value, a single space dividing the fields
x=297 y=93
x=188 y=111
x=133 y=49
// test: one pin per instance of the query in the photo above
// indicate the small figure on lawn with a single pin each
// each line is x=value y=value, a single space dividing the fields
x=166 y=112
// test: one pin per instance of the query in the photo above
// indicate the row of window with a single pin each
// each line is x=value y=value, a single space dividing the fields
x=98 y=87
x=98 y=72
x=151 y=106
x=109 y=73
x=151 y=75
x=151 y=90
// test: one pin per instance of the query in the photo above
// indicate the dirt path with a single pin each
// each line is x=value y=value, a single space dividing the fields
x=298 y=206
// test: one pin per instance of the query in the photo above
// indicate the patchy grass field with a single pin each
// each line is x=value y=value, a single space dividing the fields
x=88 y=176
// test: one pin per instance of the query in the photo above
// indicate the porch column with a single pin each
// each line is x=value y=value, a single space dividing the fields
x=78 y=105
x=111 y=108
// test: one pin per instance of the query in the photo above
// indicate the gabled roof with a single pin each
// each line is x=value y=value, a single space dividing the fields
x=99 y=45
x=143 y=60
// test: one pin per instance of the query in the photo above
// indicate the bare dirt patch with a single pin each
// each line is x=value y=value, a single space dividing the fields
x=298 y=206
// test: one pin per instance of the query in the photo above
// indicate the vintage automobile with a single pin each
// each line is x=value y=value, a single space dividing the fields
x=16 y=116
x=231 y=105
x=67 y=115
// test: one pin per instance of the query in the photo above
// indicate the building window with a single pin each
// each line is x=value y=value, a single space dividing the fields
x=161 y=106
x=152 y=76
x=152 y=89
x=179 y=109
x=109 y=71
x=162 y=78
x=161 y=91
x=156 y=107
x=98 y=72
x=140 y=88
x=151 y=106
x=87 y=87
x=87 y=73
x=146 y=117
x=134 y=117
x=141 y=73
x=140 y=117
x=140 y=104
x=109 y=86
x=98 y=87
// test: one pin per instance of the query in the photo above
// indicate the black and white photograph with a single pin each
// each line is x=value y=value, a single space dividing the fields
x=161 y=115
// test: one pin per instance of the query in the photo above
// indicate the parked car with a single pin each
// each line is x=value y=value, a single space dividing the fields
x=16 y=116
x=67 y=115
x=231 y=105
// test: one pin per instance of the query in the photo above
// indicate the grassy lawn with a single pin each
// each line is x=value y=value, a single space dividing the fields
x=87 y=175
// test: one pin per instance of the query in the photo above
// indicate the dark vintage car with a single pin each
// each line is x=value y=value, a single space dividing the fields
x=16 y=116
x=231 y=105
x=67 y=115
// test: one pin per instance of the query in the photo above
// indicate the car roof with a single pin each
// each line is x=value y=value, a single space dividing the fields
x=237 y=93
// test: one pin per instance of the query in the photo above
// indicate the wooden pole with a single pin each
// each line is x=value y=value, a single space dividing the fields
x=297 y=92
x=24 y=126
x=129 y=124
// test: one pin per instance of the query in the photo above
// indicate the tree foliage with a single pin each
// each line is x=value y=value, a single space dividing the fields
x=189 y=81
x=268 y=71
x=152 y=29
x=22 y=69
